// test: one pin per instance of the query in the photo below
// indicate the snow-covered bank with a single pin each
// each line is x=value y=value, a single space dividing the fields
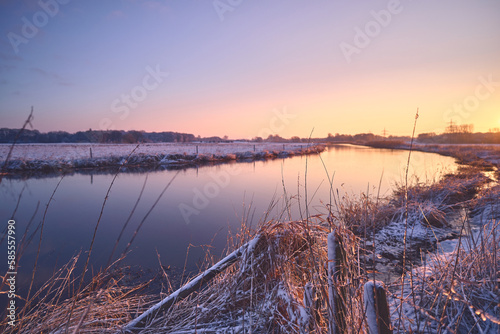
x=482 y=155
x=452 y=246
x=453 y=291
x=53 y=157
x=413 y=221
x=485 y=155
x=264 y=291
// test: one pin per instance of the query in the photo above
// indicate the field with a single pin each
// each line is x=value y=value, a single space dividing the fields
x=29 y=158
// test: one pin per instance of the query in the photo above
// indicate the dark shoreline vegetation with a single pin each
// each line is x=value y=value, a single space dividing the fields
x=453 y=134
x=456 y=292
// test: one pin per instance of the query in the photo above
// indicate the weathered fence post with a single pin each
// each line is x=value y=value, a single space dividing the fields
x=331 y=287
x=196 y=149
x=90 y=152
x=308 y=323
x=336 y=307
x=377 y=308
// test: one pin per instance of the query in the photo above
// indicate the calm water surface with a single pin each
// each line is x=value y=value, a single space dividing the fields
x=199 y=208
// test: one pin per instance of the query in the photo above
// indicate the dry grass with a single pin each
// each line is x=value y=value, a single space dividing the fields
x=457 y=292
x=431 y=202
x=483 y=156
x=264 y=291
x=105 y=302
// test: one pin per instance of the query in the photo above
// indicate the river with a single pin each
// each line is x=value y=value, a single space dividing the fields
x=201 y=207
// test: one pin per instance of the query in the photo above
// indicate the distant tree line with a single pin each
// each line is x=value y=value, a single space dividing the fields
x=461 y=134
x=362 y=138
x=91 y=136
x=359 y=138
x=454 y=134
x=129 y=137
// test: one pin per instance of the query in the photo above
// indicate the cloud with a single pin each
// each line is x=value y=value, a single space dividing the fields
x=53 y=76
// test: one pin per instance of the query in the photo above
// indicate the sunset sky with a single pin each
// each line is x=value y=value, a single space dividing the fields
x=245 y=68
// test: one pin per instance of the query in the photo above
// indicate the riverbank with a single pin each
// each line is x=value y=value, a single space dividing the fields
x=50 y=158
x=486 y=156
x=264 y=290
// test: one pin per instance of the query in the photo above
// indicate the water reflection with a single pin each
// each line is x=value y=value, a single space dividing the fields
x=201 y=206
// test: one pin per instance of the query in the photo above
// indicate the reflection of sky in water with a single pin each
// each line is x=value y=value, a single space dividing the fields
x=72 y=216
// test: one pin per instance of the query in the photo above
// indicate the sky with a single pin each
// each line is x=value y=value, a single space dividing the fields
x=246 y=68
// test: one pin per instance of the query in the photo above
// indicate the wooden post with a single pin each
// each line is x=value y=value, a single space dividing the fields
x=90 y=152
x=307 y=322
x=254 y=147
x=336 y=265
x=377 y=309
x=196 y=149
x=331 y=287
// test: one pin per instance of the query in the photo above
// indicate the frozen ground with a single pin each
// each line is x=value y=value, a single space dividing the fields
x=468 y=153
x=46 y=157
x=82 y=151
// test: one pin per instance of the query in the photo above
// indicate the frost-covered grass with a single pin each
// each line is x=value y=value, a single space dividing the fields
x=112 y=304
x=482 y=155
x=426 y=199
x=82 y=151
x=53 y=157
x=263 y=292
x=455 y=292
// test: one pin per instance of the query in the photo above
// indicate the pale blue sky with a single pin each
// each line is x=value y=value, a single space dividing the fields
x=225 y=77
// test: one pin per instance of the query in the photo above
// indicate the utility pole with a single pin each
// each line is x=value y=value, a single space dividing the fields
x=451 y=127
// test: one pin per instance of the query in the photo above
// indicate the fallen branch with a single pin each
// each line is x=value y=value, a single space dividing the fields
x=189 y=288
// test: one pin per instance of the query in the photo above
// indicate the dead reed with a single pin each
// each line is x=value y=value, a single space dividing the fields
x=457 y=292
x=104 y=309
x=264 y=291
